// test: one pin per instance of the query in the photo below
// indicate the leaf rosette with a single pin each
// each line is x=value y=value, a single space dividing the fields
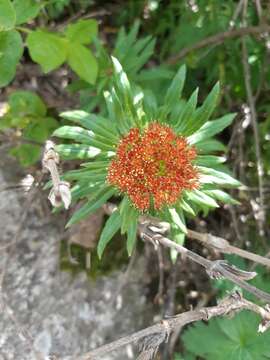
x=160 y=160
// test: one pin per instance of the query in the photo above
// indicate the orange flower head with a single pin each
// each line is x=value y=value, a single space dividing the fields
x=153 y=167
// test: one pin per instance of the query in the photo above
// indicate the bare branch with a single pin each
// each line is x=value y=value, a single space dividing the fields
x=160 y=331
x=219 y=39
x=254 y=122
x=224 y=246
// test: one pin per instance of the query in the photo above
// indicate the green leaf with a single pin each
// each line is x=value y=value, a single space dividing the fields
x=27 y=154
x=210 y=145
x=76 y=151
x=132 y=235
x=26 y=10
x=128 y=213
x=209 y=160
x=224 y=338
x=11 y=50
x=110 y=229
x=200 y=198
x=222 y=196
x=186 y=117
x=92 y=205
x=47 y=49
x=83 y=31
x=178 y=219
x=213 y=176
x=24 y=103
x=211 y=128
x=99 y=125
x=82 y=136
x=174 y=92
x=186 y=207
x=82 y=62
x=205 y=111
x=7 y=15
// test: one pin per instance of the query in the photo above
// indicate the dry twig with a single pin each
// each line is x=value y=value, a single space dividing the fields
x=219 y=39
x=154 y=335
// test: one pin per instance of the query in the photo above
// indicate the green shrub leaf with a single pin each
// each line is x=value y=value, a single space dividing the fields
x=7 y=15
x=11 y=50
x=47 y=49
x=82 y=62
x=83 y=31
x=26 y=10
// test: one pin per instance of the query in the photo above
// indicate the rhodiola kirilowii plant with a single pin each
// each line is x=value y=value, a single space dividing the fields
x=157 y=159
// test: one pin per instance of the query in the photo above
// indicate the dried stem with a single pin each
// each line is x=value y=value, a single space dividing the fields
x=219 y=39
x=163 y=329
x=254 y=122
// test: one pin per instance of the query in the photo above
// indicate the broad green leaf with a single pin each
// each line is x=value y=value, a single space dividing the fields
x=203 y=114
x=110 y=229
x=210 y=145
x=49 y=50
x=209 y=175
x=23 y=103
x=11 y=50
x=132 y=235
x=228 y=338
x=7 y=15
x=186 y=117
x=82 y=62
x=209 y=160
x=92 y=205
x=174 y=92
x=26 y=10
x=76 y=151
x=39 y=129
x=201 y=198
x=211 y=128
x=178 y=219
x=27 y=154
x=83 y=31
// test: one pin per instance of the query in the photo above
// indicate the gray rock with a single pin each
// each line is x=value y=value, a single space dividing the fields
x=55 y=313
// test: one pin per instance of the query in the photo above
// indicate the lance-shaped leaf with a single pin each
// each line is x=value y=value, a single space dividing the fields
x=92 y=205
x=110 y=229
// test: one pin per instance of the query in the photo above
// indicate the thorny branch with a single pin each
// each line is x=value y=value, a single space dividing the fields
x=154 y=335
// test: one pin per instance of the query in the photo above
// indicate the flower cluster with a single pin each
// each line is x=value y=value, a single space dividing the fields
x=153 y=167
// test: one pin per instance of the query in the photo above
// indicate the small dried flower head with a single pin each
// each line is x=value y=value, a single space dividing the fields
x=153 y=167
x=60 y=195
x=27 y=182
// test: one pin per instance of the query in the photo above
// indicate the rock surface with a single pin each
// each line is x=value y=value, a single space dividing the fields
x=48 y=310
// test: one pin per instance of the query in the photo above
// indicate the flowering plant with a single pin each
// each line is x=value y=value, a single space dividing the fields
x=160 y=160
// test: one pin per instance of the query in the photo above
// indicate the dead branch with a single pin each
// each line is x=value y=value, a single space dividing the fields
x=254 y=122
x=219 y=39
x=154 y=335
